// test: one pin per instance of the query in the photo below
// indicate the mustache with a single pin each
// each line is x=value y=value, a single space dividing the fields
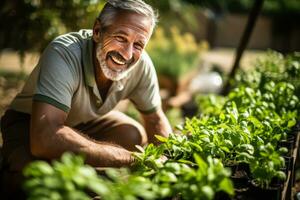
x=120 y=57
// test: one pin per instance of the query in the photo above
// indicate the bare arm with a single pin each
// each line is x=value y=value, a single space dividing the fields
x=156 y=124
x=49 y=138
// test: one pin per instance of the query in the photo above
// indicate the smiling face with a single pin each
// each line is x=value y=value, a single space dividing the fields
x=120 y=45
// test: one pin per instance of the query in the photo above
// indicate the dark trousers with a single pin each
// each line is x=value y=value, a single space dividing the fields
x=15 y=128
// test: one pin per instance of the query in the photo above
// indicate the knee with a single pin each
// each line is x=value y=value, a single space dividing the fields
x=134 y=135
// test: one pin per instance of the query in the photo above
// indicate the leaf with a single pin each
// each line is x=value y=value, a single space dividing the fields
x=208 y=191
x=222 y=116
x=161 y=138
x=228 y=143
x=186 y=162
x=291 y=123
x=99 y=188
x=283 y=150
x=226 y=149
x=179 y=127
x=201 y=164
x=205 y=139
x=38 y=168
x=197 y=146
x=281 y=175
x=248 y=148
x=255 y=121
x=244 y=157
x=227 y=186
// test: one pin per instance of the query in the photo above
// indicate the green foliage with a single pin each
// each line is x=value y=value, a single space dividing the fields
x=67 y=179
x=253 y=118
x=202 y=181
x=245 y=127
x=210 y=104
x=267 y=164
x=70 y=179
x=32 y=19
x=175 y=54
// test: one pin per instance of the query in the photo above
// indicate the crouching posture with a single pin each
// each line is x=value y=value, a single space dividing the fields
x=67 y=102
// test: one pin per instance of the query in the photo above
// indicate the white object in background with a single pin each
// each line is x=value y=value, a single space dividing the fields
x=209 y=82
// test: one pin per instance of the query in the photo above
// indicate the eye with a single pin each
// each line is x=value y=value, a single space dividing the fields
x=138 y=46
x=120 y=38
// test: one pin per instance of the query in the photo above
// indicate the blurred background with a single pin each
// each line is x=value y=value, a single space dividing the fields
x=193 y=47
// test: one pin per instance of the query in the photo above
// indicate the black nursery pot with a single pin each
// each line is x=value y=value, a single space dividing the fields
x=288 y=164
x=240 y=176
x=222 y=196
x=273 y=192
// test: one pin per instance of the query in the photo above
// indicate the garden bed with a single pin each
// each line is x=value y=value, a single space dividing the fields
x=248 y=131
x=245 y=190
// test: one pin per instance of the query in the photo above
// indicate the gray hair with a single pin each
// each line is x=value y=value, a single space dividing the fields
x=112 y=7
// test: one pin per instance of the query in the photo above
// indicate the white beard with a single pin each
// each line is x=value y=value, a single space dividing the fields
x=109 y=73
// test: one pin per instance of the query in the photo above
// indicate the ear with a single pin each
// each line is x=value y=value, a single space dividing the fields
x=96 y=31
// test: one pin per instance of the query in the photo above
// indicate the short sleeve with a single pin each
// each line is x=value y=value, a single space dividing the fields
x=145 y=96
x=58 y=77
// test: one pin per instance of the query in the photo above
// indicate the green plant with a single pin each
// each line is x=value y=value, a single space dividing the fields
x=246 y=127
x=66 y=179
x=70 y=179
x=175 y=54
x=203 y=182
x=267 y=164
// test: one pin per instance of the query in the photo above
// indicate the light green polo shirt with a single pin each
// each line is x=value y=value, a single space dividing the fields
x=64 y=77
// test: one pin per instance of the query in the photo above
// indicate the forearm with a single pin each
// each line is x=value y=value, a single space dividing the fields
x=157 y=124
x=52 y=145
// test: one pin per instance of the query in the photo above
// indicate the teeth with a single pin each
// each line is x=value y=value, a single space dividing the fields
x=116 y=60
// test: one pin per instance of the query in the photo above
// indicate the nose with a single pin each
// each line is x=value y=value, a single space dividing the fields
x=127 y=51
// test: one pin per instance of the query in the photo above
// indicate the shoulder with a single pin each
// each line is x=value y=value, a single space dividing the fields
x=69 y=47
x=73 y=38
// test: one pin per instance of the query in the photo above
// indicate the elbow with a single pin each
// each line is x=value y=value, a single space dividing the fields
x=38 y=147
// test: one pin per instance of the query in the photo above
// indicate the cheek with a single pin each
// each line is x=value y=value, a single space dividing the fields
x=110 y=45
x=137 y=55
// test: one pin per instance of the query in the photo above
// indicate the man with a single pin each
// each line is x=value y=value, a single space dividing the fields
x=66 y=104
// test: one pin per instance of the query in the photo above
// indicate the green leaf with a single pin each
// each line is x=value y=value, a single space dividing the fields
x=255 y=121
x=226 y=149
x=208 y=191
x=248 y=148
x=227 y=186
x=201 y=164
x=281 y=175
x=291 y=123
x=38 y=168
x=186 y=162
x=197 y=146
x=283 y=150
x=161 y=138
x=168 y=177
